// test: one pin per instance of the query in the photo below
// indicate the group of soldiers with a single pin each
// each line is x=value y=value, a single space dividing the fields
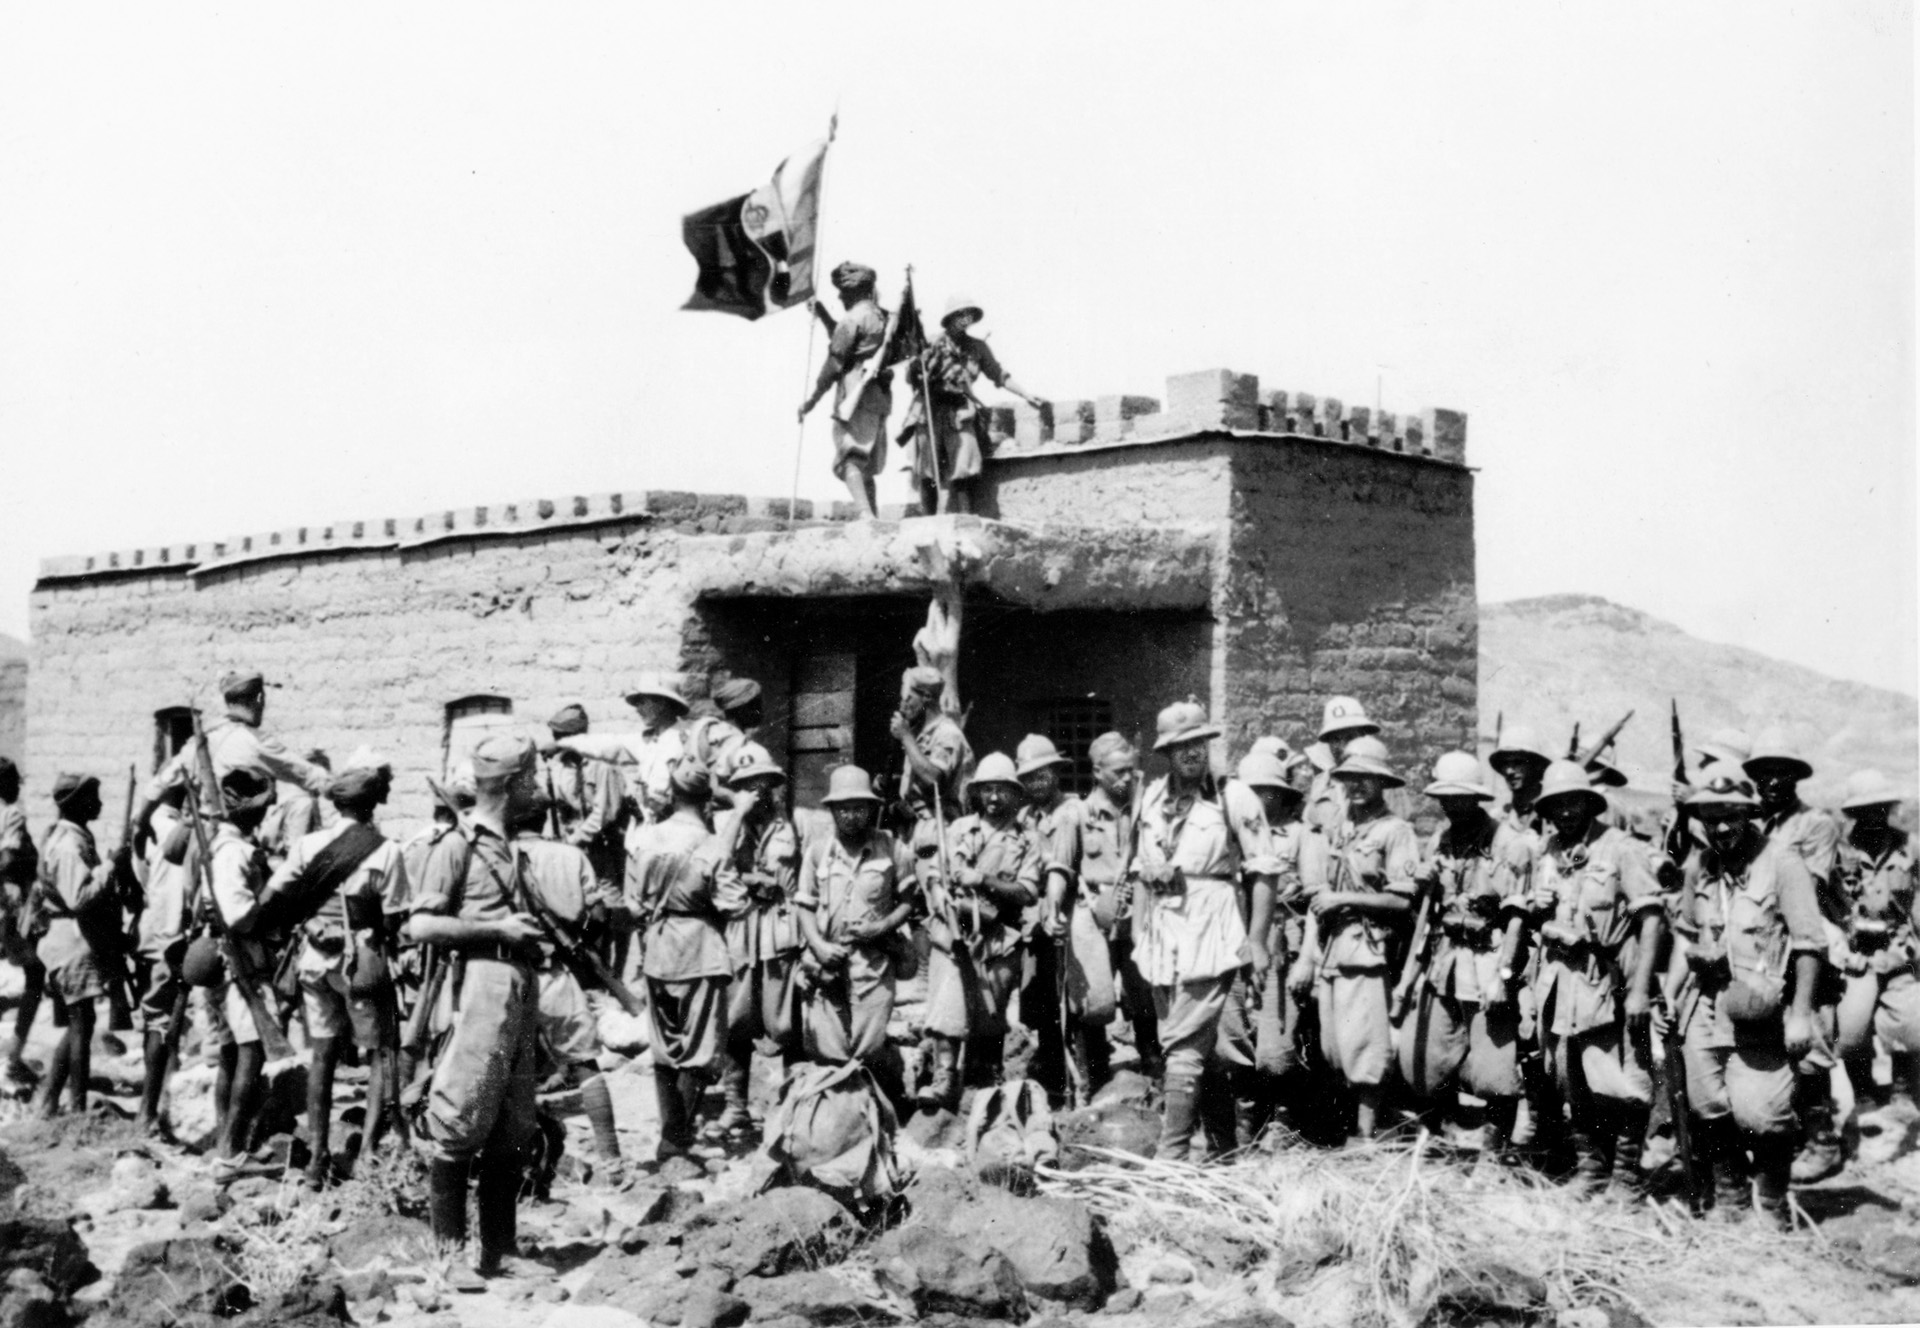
x=1285 y=948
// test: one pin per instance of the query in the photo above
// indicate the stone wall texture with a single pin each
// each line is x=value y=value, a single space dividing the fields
x=13 y=706
x=1259 y=572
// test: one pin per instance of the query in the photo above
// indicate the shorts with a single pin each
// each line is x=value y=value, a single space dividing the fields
x=1356 y=1038
x=568 y=1030
x=157 y=1002
x=1884 y=1007
x=76 y=980
x=333 y=1010
x=1446 y=1042
x=233 y=1021
x=862 y=439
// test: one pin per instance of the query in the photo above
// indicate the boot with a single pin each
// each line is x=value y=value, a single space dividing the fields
x=320 y=1114
x=1176 y=1124
x=1215 y=1105
x=1773 y=1165
x=597 y=1100
x=496 y=1197
x=693 y=1091
x=1720 y=1144
x=942 y=1091
x=676 y=1132
x=1249 y=1116
x=1591 y=1168
x=1496 y=1135
x=1099 y=1059
x=1628 y=1182
x=1822 y=1155
x=447 y=1201
x=985 y=1062
x=734 y=1118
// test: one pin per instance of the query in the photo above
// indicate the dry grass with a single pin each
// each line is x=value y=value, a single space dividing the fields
x=1381 y=1230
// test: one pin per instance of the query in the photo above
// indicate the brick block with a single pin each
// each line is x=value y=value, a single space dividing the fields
x=1214 y=399
x=1273 y=411
x=1301 y=412
x=1032 y=428
x=1414 y=435
x=1448 y=438
x=1072 y=420
x=1386 y=432
x=1113 y=416
x=1327 y=422
x=1357 y=428
x=999 y=423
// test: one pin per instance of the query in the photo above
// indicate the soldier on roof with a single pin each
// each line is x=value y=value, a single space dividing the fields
x=947 y=457
x=863 y=397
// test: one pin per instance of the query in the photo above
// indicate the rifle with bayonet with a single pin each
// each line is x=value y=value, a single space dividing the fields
x=435 y=962
x=273 y=1040
x=1592 y=753
x=1681 y=1005
x=1413 y=968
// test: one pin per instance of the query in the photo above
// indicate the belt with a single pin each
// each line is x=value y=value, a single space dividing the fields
x=505 y=954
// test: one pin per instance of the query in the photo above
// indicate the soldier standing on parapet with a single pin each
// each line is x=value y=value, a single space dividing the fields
x=19 y=868
x=237 y=743
x=682 y=885
x=350 y=883
x=1877 y=873
x=992 y=881
x=1192 y=939
x=864 y=395
x=481 y=1101
x=1745 y=976
x=1463 y=1028
x=947 y=457
x=1601 y=941
x=74 y=883
x=764 y=942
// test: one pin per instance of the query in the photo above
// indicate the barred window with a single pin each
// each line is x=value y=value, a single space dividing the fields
x=470 y=720
x=172 y=732
x=1073 y=722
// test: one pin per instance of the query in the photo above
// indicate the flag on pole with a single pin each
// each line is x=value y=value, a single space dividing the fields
x=756 y=251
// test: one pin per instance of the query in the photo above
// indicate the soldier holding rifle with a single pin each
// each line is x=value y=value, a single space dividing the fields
x=857 y=890
x=949 y=451
x=341 y=890
x=165 y=925
x=237 y=743
x=864 y=384
x=1070 y=986
x=74 y=887
x=1882 y=950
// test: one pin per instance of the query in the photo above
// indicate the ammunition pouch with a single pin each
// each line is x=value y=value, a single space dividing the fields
x=1164 y=881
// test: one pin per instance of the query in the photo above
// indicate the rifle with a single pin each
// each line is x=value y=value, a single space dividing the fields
x=433 y=973
x=273 y=1040
x=1413 y=967
x=587 y=967
x=1573 y=743
x=1673 y=1073
x=827 y=320
x=1606 y=739
x=1679 y=746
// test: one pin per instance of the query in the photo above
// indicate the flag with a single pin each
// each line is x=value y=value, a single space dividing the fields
x=756 y=251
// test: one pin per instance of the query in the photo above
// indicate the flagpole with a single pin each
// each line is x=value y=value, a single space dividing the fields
x=813 y=323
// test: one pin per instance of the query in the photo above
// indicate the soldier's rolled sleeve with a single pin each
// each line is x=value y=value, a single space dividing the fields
x=600 y=746
x=1638 y=885
x=1799 y=906
x=439 y=878
x=806 y=893
x=730 y=898
x=232 y=891
x=396 y=891
x=989 y=364
x=1400 y=860
x=1820 y=846
x=1247 y=820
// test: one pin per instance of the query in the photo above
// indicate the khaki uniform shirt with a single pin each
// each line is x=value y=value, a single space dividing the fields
x=678 y=878
x=560 y=880
x=1380 y=854
x=1758 y=903
x=587 y=796
x=381 y=875
x=72 y=879
x=490 y=890
x=1484 y=878
x=1600 y=890
x=238 y=871
x=1009 y=859
x=164 y=920
x=1201 y=932
x=768 y=863
x=1815 y=836
x=646 y=760
x=235 y=744
x=846 y=886
x=1884 y=930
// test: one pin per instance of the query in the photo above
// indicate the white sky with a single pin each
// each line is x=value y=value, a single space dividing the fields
x=269 y=266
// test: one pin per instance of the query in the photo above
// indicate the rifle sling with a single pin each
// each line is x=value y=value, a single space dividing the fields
x=323 y=874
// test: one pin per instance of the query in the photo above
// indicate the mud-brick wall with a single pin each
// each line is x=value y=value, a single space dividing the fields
x=13 y=701
x=1351 y=572
x=1182 y=481
x=365 y=646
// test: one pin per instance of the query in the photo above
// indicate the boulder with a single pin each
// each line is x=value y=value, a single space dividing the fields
x=1894 y=1251
x=816 y=1297
x=26 y=1301
x=935 y=1192
x=1118 y=1126
x=168 y=1282
x=937 y=1273
x=938 y=1128
x=1059 y=1249
x=11 y=1179
x=50 y=1249
x=637 y=1279
x=387 y=1237
x=769 y=1233
x=135 y=1184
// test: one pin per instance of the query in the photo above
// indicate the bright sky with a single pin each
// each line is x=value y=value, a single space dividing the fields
x=275 y=265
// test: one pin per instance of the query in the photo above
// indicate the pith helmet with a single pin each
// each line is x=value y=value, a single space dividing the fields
x=1773 y=749
x=751 y=762
x=1037 y=752
x=1457 y=774
x=1725 y=745
x=1345 y=714
x=1183 y=721
x=1869 y=788
x=70 y=786
x=1723 y=784
x=962 y=304
x=1604 y=773
x=1568 y=779
x=1367 y=755
x=849 y=783
x=1518 y=745
x=663 y=685
x=995 y=768
x=1260 y=769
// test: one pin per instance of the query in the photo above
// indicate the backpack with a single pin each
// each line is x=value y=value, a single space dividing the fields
x=1012 y=1126
x=833 y=1130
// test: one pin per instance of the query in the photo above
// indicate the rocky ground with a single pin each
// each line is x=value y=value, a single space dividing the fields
x=97 y=1226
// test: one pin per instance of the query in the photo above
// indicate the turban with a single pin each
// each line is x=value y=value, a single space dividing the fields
x=926 y=679
x=568 y=721
x=853 y=276
x=499 y=757
x=736 y=692
x=246 y=788
x=237 y=683
x=70 y=786
x=691 y=777
x=360 y=783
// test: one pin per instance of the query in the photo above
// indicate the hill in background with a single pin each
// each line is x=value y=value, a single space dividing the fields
x=1549 y=661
